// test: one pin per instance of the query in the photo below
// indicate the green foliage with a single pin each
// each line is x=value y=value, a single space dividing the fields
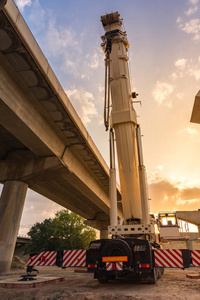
x=65 y=232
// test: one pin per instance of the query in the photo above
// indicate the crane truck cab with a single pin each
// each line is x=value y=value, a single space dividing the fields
x=109 y=259
x=168 y=225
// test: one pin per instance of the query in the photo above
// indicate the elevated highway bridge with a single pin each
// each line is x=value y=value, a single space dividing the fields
x=43 y=144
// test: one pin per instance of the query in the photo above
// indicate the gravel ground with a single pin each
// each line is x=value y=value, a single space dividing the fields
x=173 y=285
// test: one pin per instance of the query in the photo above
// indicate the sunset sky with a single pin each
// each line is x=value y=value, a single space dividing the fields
x=164 y=54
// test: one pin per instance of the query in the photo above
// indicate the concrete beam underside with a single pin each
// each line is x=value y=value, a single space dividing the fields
x=192 y=217
x=101 y=225
x=16 y=104
x=50 y=178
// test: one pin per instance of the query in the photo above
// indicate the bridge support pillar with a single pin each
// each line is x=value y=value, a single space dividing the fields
x=101 y=225
x=103 y=233
x=199 y=229
x=189 y=244
x=11 y=206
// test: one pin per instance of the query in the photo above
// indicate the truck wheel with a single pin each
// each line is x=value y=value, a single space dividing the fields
x=153 y=276
x=102 y=280
x=160 y=272
x=118 y=247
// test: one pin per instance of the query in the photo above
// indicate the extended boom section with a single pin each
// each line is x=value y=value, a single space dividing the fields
x=123 y=116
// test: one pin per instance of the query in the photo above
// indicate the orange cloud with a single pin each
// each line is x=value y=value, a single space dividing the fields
x=165 y=196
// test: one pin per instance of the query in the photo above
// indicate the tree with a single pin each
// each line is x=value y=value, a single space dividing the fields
x=65 y=232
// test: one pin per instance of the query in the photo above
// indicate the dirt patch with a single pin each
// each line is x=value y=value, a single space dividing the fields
x=173 y=285
x=18 y=263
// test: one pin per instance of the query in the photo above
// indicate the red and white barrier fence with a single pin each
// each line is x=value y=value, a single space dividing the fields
x=168 y=258
x=45 y=258
x=195 y=258
x=74 y=258
x=70 y=258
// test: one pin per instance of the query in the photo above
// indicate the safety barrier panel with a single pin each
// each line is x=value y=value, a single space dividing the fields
x=195 y=258
x=74 y=258
x=168 y=258
x=66 y=258
x=45 y=258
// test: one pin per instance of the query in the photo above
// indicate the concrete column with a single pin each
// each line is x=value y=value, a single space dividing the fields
x=11 y=207
x=189 y=244
x=101 y=225
x=199 y=229
x=103 y=233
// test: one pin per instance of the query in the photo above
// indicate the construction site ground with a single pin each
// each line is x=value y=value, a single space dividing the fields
x=174 y=284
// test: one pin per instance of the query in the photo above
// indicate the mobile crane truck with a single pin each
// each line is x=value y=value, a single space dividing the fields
x=129 y=251
x=134 y=250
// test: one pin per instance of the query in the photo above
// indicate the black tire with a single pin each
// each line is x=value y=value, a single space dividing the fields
x=153 y=276
x=159 y=273
x=102 y=280
x=162 y=271
x=117 y=247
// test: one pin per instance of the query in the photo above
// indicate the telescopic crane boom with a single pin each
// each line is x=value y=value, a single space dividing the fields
x=124 y=121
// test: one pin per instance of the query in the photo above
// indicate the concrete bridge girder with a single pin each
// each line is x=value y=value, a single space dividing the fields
x=50 y=171
x=24 y=117
x=18 y=114
x=101 y=225
x=192 y=217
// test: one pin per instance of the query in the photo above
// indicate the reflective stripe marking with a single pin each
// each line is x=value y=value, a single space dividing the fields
x=114 y=258
x=71 y=258
x=109 y=266
x=74 y=258
x=175 y=256
x=45 y=258
x=168 y=258
x=33 y=259
x=119 y=266
x=195 y=258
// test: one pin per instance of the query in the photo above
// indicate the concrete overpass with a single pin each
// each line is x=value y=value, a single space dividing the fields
x=22 y=239
x=43 y=143
x=192 y=216
x=195 y=118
